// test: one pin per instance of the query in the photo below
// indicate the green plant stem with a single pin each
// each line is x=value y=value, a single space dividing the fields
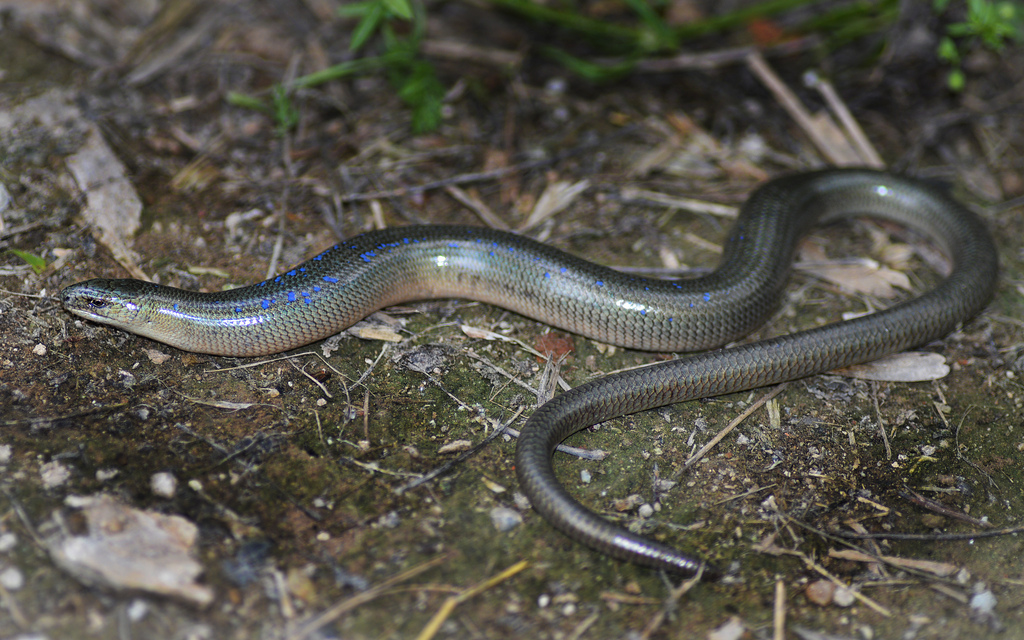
x=716 y=24
x=844 y=24
x=639 y=39
x=340 y=70
x=570 y=20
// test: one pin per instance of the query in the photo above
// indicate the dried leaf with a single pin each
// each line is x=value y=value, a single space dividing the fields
x=909 y=366
x=864 y=276
x=369 y=331
x=156 y=356
x=455 y=446
x=483 y=334
x=378 y=326
x=493 y=486
x=935 y=568
x=557 y=196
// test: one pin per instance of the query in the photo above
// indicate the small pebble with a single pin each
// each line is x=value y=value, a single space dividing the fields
x=12 y=579
x=585 y=476
x=137 y=610
x=983 y=608
x=733 y=629
x=646 y=510
x=505 y=519
x=521 y=501
x=844 y=597
x=556 y=85
x=820 y=592
x=7 y=541
x=163 y=484
x=54 y=474
x=39 y=349
x=389 y=520
x=983 y=601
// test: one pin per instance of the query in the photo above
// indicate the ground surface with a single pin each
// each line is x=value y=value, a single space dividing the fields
x=291 y=469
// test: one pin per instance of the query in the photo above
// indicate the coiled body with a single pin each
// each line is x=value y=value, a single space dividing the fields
x=369 y=272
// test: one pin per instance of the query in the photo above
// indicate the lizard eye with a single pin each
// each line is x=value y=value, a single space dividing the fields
x=97 y=303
